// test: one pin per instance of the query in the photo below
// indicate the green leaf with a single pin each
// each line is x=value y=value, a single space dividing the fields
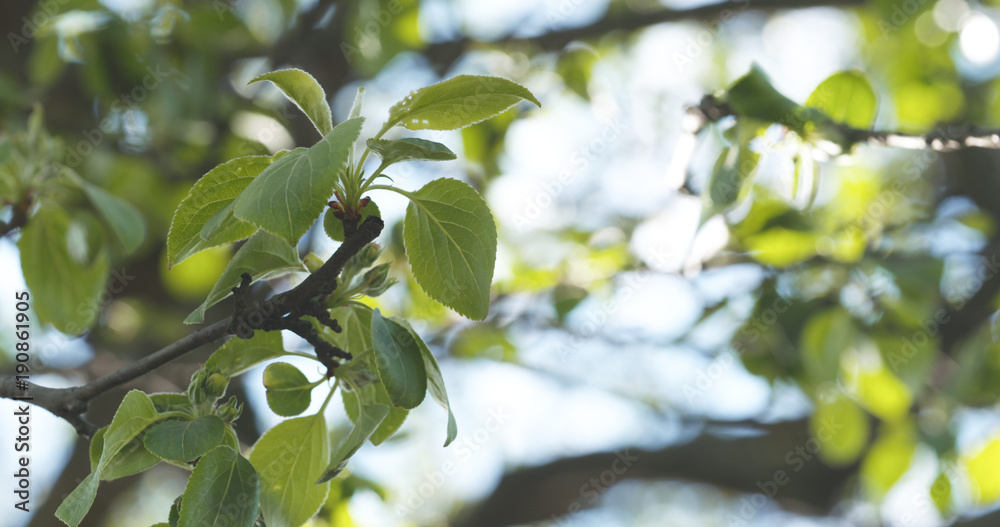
x=843 y=429
x=289 y=459
x=364 y=426
x=67 y=292
x=135 y=414
x=175 y=511
x=289 y=392
x=264 y=256
x=223 y=491
x=824 y=338
x=334 y=227
x=133 y=458
x=214 y=192
x=398 y=362
x=126 y=222
x=456 y=103
x=409 y=148
x=981 y=467
x=239 y=355
x=753 y=96
x=451 y=242
x=435 y=382
x=730 y=177
x=888 y=458
x=182 y=441
x=846 y=97
x=303 y=90
x=291 y=193
x=172 y=402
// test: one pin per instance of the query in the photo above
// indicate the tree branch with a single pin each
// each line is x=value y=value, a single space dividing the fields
x=72 y=403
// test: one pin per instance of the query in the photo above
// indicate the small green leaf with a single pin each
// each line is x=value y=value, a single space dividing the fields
x=732 y=172
x=126 y=222
x=846 y=97
x=289 y=458
x=451 y=242
x=223 y=491
x=290 y=194
x=289 y=392
x=824 y=338
x=303 y=90
x=135 y=414
x=182 y=441
x=754 y=97
x=263 y=256
x=334 y=227
x=214 y=192
x=435 y=382
x=981 y=467
x=175 y=511
x=398 y=362
x=887 y=459
x=66 y=291
x=172 y=402
x=374 y=393
x=456 y=103
x=132 y=459
x=364 y=426
x=239 y=355
x=409 y=149
x=843 y=429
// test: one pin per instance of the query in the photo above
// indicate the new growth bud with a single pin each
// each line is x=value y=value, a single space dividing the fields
x=230 y=411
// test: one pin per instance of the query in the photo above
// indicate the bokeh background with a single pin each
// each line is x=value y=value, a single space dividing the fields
x=644 y=363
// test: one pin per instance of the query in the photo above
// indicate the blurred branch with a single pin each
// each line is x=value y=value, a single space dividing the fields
x=71 y=403
x=778 y=460
x=948 y=139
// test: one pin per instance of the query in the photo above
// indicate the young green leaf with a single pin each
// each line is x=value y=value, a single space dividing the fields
x=303 y=90
x=846 y=97
x=214 y=192
x=754 y=97
x=133 y=458
x=126 y=222
x=364 y=426
x=135 y=414
x=334 y=226
x=409 y=149
x=398 y=362
x=456 y=103
x=223 y=491
x=289 y=392
x=435 y=381
x=239 y=355
x=291 y=193
x=451 y=242
x=182 y=441
x=66 y=291
x=264 y=256
x=172 y=402
x=289 y=458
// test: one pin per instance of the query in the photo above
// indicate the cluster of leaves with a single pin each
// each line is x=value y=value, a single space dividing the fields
x=865 y=363
x=73 y=229
x=271 y=201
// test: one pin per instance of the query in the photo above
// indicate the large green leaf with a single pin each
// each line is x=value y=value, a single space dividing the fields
x=289 y=392
x=210 y=195
x=290 y=194
x=451 y=242
x=302 y=89
x=435 y=382
x=366 y=423
x=239 y=355
x=66 y=290
x=409 y=149
x=135 y=414
x=456 y=103
x=182 y=441
x=754 y=97
x=846 y=97
x=289 y=459
x=126 y=222
x=263 y=256
x=223 y=491
x=398 y=362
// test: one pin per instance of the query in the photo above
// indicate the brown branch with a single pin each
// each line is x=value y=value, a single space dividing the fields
x=71 y=403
